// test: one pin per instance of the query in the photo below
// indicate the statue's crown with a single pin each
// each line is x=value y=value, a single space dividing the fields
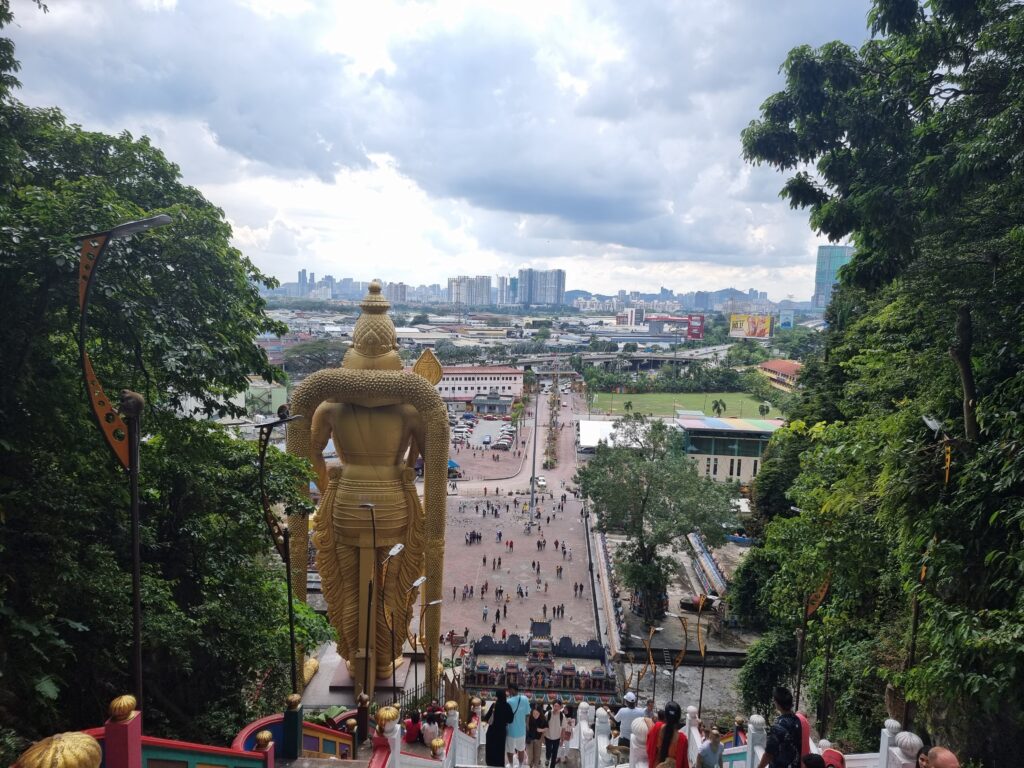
x=374 y=333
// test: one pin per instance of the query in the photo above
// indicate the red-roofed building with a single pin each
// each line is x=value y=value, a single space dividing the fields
x=782 y=374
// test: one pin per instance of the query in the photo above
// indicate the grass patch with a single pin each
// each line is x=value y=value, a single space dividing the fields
x=666 y=403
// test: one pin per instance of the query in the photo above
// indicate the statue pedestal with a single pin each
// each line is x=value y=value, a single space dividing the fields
x=384 y=691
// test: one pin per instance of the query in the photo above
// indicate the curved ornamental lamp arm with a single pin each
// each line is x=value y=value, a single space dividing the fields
x=273 y=526
x=114 y=430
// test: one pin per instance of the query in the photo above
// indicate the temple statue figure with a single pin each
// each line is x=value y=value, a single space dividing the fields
x=381 y=419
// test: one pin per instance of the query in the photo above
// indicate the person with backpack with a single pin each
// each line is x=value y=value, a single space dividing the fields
x=784 y=737
x=666 y=741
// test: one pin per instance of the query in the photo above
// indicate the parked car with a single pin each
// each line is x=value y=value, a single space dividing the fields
x=542 y=482
x=486 y=440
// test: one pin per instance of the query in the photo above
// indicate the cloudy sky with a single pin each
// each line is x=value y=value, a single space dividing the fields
x=412 y=140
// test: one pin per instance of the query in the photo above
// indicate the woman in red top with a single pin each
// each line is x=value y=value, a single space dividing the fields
x=413 y=730
x=668 y=739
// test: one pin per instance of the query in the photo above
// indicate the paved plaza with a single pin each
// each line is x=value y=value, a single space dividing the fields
x=476 y=565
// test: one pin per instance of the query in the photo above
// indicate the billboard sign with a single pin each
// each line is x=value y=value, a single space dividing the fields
x=695 y=327
x=750 y=326
x=785 y=319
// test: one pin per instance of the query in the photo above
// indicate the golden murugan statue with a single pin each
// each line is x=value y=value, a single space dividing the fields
x=381 y=419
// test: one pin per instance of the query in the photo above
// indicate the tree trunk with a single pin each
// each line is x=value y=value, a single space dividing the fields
x=961 y=354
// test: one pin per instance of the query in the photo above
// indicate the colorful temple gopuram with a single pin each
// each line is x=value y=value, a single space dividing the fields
x=547 y=671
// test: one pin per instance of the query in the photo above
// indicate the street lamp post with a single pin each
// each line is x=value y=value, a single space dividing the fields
x=533 y=477
x=122 y=434
x=420 y=581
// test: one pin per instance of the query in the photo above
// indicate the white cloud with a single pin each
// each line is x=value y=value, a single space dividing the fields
x=412 y=140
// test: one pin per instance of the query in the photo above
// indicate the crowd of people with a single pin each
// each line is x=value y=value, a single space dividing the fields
x=423 y=727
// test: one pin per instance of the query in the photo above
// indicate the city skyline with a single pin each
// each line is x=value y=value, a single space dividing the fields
x=444 y=138
x=544 y=288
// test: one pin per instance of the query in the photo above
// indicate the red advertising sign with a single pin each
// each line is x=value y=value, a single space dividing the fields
x=696 y=327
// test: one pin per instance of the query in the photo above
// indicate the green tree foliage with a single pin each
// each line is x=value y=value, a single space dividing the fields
x=310 y=356
x=769 y=663
x=305 y=305
x=450 y=353
x=649 y=490
x=174 y=315
x=420 y=319
x=693 y=377
x=798 y=343
x=747 y=588
x=917 y=154
x=756 y=383
x=746 y=352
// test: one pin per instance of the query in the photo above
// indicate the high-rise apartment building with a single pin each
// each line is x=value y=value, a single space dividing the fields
x=541 y=286
x=503 y=291
x=470 y=291
x=480 y=291
x=396 y=293
x=303 y=283
x=826 y=273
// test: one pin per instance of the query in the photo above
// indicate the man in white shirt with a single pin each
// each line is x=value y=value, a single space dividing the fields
x=553 y=738
x=625 y=717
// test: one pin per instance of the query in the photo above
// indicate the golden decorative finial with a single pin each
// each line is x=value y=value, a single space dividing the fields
x=450 y=705
x=293 y=701
x=263 y=739
x=436 y=746
x=64 y=750
x=121 y=708
x=428 y=367
x=475 y=701
x=374 y=333
x=386 y=715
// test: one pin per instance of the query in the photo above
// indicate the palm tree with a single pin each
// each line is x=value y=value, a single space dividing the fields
x=763 y=409
x=627 y=406
x=718 y=406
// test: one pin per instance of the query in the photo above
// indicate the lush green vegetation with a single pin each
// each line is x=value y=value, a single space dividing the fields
x=690 y=377
x=666 y=403
x=310 y=356
x=648 y=489
x=917 y=148
x=174 y=315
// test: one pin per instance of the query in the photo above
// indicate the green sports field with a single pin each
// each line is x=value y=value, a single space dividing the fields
x=666 y=403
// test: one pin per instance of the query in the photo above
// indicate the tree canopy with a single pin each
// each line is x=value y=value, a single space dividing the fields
x=648 y=489
x=310 y=356
x=912 y=148
x=174 y=315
